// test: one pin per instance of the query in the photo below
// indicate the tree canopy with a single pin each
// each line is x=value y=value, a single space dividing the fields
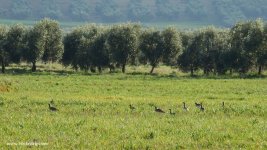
x=93 y=47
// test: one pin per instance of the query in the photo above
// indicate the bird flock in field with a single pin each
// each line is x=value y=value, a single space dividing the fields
x=157 y=109
x=185 y=108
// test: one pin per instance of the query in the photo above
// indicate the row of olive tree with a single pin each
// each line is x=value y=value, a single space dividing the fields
x=216 y=50
x=89 y=47
x=92 y=47
x=41 y=42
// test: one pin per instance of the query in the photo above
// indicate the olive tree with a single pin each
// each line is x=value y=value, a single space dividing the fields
x=53 y=47
x=261 y=51
x=207 y=48
x=14 y=45
x=99 y=51
x=72 y=43
x=222 y=57
x=246 y=40
x=213 y=45
x=35 y=45
x=3 y=52
x=83 y=47
x=157 y=46
x=152 y=47
x=172 y=45
x=44 y=42
x=122 y=43
x=189 y=60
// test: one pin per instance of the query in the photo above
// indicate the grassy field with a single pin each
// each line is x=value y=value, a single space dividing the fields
x=94 y=112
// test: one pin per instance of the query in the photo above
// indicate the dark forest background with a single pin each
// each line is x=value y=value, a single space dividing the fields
x=218 y=12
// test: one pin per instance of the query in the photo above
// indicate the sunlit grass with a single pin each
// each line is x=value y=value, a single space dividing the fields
x=94 y=110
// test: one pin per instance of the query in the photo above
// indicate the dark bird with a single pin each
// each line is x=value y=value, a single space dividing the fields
x=52 y=108
x=201 y=107
x=185 y=108
x=132 y=107
x=52 y=102
x=198 y=105
x=223 y=104
x=171 y=113
x=159 y=110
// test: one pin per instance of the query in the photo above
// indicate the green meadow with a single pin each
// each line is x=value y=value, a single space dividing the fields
x=94 y=111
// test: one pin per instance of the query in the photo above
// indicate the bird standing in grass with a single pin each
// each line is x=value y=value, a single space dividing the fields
x=185 y=108
x=132 y=107
x=201 y=107
x=171 y=113
x=52 y=102
x=222 y=104
x=198 y=105
x=52 y=108
x=159 y=110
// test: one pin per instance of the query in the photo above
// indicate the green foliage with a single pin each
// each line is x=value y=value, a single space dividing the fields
x=99 y=52
x=84 y=53
x=94 y=46
x=212 y=45
x=85 y=48
x=15 y=42
x=71 y=44
x=122 y=43
x=172 y=45
x=152 y=47
x=44 y=41
x=53 y=47
x=3 y=36
x=189 y=60
x=255 y=43
x=207 y=48
x=159 y=47
x=246 y=39
x=3 y=52
x=261 y=54
x=35 y=45
x=222 y=53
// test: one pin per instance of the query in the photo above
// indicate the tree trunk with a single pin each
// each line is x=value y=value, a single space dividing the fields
x=231 y=71
x=99 y=69
x=111 y=68
x=152 y=70
x=192 y=71
x=215 y=71
x=3 y=67
x=123 y=68
x=260 y=70
x=92 y=69
x=34 y=66
x=205 y=71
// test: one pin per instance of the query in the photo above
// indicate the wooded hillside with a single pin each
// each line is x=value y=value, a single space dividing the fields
x=221 y=12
